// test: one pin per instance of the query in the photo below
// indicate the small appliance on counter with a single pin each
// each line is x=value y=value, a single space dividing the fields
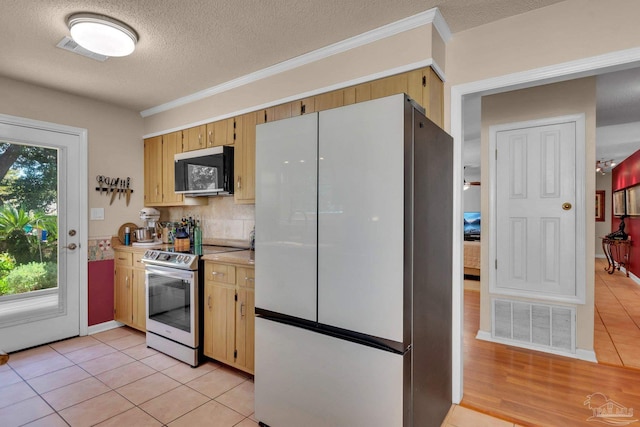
x=147 y=235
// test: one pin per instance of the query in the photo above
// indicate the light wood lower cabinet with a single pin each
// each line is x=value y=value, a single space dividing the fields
x=229 y=315
x=129 y=295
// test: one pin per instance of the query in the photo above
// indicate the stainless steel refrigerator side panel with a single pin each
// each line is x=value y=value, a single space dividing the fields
x=432 y=248
x=408 y=264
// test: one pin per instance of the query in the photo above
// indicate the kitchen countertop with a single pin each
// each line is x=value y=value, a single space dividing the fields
x=245 y=258
x=242 y=258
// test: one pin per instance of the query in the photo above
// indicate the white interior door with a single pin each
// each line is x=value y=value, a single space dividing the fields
x=536 y=210
x=39 y=316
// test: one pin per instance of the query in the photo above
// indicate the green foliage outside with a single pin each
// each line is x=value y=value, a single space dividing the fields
x=21 y=248
x=28 y=197
x=7 y=264
x=30 y=277
x=28 y=176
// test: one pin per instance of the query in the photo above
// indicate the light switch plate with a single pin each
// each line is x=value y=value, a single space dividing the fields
x=97 y=213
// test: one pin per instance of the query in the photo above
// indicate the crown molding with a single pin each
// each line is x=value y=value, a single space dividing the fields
x=431 y=16
x=297 y=96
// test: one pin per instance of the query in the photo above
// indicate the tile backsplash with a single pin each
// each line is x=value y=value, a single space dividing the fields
x=220 y=219
x=99 y=248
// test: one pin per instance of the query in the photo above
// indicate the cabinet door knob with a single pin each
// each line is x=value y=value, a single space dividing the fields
x=242 y=313
x=238 y=183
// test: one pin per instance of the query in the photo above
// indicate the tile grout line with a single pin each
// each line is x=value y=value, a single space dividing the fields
x=38 y=395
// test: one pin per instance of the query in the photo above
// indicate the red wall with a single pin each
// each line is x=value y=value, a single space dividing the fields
x=627 y=174
x=100 y=291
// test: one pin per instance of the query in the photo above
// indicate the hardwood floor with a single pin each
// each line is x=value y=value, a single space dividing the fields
x=538 y=389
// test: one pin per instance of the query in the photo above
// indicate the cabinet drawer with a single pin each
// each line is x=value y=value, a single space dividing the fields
x=221 y=273
x=245 y=277
x=137 y=260
x=124 y=258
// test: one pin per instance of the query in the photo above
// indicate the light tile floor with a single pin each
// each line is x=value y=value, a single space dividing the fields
x=113 y=379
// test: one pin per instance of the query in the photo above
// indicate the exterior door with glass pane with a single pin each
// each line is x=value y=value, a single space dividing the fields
x=43 y=171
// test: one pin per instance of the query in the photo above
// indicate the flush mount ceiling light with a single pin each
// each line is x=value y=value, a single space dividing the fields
x=101 y=34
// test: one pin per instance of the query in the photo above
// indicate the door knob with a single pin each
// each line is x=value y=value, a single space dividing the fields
x=566 y=206
x=71 y=246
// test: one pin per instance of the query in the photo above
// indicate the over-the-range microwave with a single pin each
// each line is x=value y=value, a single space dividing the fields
x=206 y=172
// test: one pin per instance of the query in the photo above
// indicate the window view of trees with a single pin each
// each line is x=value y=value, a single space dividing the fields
x=28 y=218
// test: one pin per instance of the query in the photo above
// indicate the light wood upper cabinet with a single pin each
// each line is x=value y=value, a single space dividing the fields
x=283 y=111
x=265 y=115
x=153 y=170
x=159 y=170
x=433 y=96
x=358 y=93
x=389 y=86
x=195 y=138
x=304 y=106
x=171 y=145
x=221 y=132
x=422 y=85
x=329 y=100
x=245 y=160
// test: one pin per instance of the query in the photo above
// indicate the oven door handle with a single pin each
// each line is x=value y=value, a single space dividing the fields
x=170 y=272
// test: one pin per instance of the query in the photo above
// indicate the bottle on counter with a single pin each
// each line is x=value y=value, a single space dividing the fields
x=127 y=236
x=197 y=238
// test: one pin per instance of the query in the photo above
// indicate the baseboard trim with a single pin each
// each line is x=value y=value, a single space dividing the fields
x=586 y=355
x=631 y=275
x=105 y=326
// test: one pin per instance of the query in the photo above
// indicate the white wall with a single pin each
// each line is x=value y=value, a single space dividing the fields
x=114 y=139
x=471 y=199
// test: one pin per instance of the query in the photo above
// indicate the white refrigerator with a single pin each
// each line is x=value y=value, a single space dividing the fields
x=353 y=268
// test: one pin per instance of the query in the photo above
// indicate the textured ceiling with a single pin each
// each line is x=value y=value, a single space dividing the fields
x=190 y=45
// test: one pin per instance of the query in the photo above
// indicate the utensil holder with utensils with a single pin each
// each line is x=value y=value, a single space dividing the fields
x=113 y=186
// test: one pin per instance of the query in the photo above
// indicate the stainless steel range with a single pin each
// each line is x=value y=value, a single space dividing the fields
x=173 y=296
